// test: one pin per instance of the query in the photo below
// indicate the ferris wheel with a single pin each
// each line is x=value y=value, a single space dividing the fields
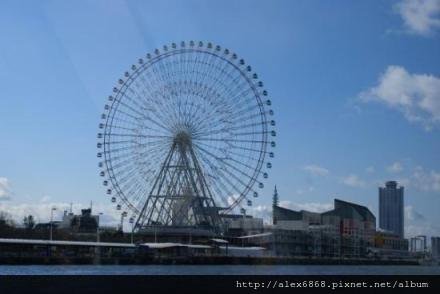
x=187 y=135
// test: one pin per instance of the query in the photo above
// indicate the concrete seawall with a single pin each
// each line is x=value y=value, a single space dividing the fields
x=197 y=260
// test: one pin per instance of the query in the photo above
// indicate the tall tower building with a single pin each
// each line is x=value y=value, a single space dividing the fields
x=275 y=198
x=391 y=208
x=275 y=202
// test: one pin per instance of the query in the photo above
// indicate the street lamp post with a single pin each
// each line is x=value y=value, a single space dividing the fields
x=51 y=221
x=132 y=228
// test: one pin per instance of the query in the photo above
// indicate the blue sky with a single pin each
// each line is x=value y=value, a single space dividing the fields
x=355 y=87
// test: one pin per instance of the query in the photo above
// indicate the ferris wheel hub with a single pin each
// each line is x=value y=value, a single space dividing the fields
x=182 y=138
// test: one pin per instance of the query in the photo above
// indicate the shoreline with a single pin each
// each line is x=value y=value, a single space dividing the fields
x=197 y=260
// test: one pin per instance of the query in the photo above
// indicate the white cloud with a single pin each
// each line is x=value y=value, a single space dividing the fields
x=5 y=189
x=417 y=96
x=424 y=228
x=420 y=179
x=370 y=169
x=416 y=224
x=404 y=182
x=353 y=181
x=426 y=180
x=396 y=167
x=232 y=199
x=412 y=215
x=264 y=212
x=316 y=170
x=420 y=16
x=302 y=191
x=45 y=198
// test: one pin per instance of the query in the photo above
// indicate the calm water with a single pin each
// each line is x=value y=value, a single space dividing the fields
x=217 y=270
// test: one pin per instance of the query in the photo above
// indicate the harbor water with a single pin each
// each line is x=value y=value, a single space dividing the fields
x=217 y=270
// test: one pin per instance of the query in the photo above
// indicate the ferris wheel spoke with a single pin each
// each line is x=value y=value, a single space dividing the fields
x=114 y=142
x=239 y=155
x=229 y=140
x=139 y=136
x=155 y=112
x=161 y=142
x=228 y=164
x=125 y=148
x=132 y=151
x=251 y=116
x=121 y=102
x=243 y=104
x=225 y=118
x=229 y=129
x=251 y=149
x=238 y=115
x=223 y=189
x=128 y=158
x=222 y=179
x=160 y=92
x=200 y=118
x=170 y=111
x=250 y=133
x=239 y=171
x=224 y=132
x=149 y=99
x=116 y=111
x=232 y=89
x=134 y=189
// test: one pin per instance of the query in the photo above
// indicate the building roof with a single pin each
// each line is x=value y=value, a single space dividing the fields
x=255 y=236
x=391 y=184
x=160 y=245
x=63 y=243
x=254 y=248
x=171 y=245
x=235 y=216
x=219 y=241
x=351 y=210
x=281 y=213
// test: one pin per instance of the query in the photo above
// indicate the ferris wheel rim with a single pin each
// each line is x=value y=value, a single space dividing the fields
x=130 y=78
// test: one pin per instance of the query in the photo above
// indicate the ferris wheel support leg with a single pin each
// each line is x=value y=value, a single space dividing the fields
x=142 y=216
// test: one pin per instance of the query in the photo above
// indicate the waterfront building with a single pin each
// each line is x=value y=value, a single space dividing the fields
x=300 y=233
x=46 y=226
x=25 y=251
x=390 y=241
x=348 y=230
x=239 y=225
x=326 y=241
x=355 y=224
x=435 y=248
x=391 y=203
x=291 y=243
x=418 y=244
x=287 y=217
x=86 y=222
x=319 y=241
x=388 y=245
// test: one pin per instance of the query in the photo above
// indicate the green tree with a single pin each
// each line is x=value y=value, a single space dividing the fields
x=6 y=219
x=29 y=222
